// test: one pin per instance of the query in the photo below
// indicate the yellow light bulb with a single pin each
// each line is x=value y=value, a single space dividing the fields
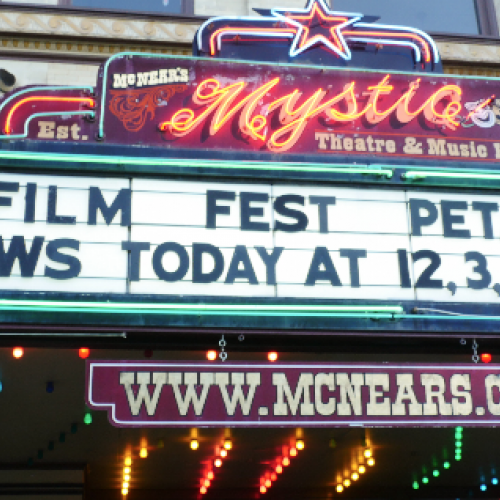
x=143 y=453
x=194 y=444
x=355 y=476
x=368 y=453
x=126 y=477
x=340 y=488
x=228 y=444
x=218 y=462
x=279 y=469
x=128 y=461
x=210 y=475
x=127 y=470
x=347 y=483
x=203 y=490
x=268 y=483
x=371 y=462
x=286 y=461
x=362 y=469
x=293 y=452
x=125 y=485
x=124 y=491
x=207 y=483
x=223 y=453
x=300 y=445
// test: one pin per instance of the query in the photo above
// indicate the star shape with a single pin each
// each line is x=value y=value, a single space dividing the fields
x=318 y=25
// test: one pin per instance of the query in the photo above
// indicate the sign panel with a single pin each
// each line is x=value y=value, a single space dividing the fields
x=179 y=238
x=165 y=394
x=185 y=108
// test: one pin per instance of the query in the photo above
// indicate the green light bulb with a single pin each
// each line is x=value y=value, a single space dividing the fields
x=416 y=486
x=459 y=429
x=435 y=473
x=458 y=444
x=446 y=465
x=458 y=458
x=87 y=419
x=425 y=480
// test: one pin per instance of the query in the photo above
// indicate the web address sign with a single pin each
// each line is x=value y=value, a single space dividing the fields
x=138 y=394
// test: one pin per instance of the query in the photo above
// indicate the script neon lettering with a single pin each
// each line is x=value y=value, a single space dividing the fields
x=221 y=105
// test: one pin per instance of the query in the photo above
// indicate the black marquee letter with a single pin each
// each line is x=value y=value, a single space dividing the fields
x=123 y=202
x=322 y=257
x=198 y=275
x=180 y=272
x=74 y=265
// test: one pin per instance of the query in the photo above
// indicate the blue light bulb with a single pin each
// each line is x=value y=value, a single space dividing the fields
x=483 y=487
x=494 y=481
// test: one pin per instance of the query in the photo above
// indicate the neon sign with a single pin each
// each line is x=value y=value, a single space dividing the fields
x=346 y=36
x=217 y=105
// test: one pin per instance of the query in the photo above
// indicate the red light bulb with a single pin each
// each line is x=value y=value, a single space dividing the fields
x=83 y=352
x=486 y=358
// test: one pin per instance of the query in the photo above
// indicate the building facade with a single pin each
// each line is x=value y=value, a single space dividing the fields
x=139 y=264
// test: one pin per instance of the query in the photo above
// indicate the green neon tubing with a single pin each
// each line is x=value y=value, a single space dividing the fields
x=419 y=175
x=186 y=163
x=38 y=115
x=119 y=306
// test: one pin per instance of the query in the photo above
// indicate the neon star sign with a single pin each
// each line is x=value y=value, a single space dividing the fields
x=307 y=21
x=346 y=36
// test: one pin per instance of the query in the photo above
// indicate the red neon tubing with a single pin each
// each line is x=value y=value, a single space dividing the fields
x=86 y=100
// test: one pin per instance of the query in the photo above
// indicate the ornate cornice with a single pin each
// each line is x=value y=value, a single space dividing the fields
x=38 y=22
x=470 y=52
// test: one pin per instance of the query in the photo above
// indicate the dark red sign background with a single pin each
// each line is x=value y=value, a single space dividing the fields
x=133 y=115
x=315 y=395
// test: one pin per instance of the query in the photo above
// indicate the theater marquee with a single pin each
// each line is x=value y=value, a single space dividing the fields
x=168 y=394
x=201 y=239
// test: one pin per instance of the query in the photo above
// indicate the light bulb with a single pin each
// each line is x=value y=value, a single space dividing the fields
x=87 y=419
x=416 y=486
x=83 y=352
x=435 y=473
x=194 y=444
x=272 y=356
x=354 y=476
x=128 y=461
x=425 y=480
x=18 y=352
x=370 y=462
x=210 y=475
x=367 y=453
x=274 y=476
x=125 y=485
x=362 y=469
x=211 y=355
x=446 y=465
x=223 y=453
x=218 y=462
x=126 y=477
x=494 y=481
x=143 y=453
x=300 y=445
x=263 y=489
x=279 y=469
x=347 y=483
x=207 y=482
x=124 y=491
x=203 y=490
x=286 y=461
x=340 y=488
x=268 y=483
x=127 y=470
x=228 y=444
x=293 y=452
x=483 y=487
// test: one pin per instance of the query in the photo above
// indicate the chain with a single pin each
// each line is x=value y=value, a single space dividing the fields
x=223 y=353
x=475 y=356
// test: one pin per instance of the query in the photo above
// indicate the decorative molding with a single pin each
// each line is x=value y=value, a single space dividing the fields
x=77 y=25
x=470 y=52
x=37 y=47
